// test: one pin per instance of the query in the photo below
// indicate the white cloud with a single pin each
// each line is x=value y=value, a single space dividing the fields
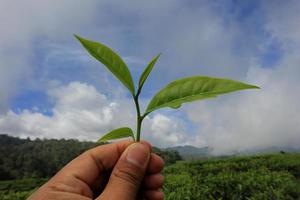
x=264 y=118
x=194 y=40
x=205 y=38
x=81 y=112
x=253 y=119
x=282 y=20
x=165 y=130
x=191 y=32
x=22 y=24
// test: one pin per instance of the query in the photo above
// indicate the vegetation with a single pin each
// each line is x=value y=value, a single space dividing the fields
x=26 y=164
x=25 y=158
x=173 y=95
x=272 y=176
x=19 y=189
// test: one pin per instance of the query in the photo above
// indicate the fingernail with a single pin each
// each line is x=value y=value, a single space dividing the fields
x=138 y=154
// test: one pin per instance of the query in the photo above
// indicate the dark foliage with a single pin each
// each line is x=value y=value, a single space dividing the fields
x=170 y=157
x=25 y=158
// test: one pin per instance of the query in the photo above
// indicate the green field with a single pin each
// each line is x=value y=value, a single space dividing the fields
x=19 y=189
x=274 y=176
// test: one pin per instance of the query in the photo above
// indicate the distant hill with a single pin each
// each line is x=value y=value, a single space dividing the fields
x=273 y=149
x=189 y=151
x=192 y=152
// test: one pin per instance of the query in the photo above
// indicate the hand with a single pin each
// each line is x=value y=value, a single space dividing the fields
x=117 y=171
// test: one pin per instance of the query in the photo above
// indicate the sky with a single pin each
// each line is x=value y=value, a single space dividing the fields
x=51 y=88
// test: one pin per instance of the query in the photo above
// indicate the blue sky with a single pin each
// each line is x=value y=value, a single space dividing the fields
x=51 y=88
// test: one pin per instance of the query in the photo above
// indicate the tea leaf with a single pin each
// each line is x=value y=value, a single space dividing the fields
x=117 y=134
x=147 y=71
x=110 y=59
x=192 y=89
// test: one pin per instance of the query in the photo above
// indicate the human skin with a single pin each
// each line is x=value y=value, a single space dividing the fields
x=122 y=170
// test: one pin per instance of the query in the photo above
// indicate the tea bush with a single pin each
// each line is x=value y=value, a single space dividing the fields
x=256 y=178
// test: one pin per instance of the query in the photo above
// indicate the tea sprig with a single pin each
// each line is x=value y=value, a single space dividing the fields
x=173 y=95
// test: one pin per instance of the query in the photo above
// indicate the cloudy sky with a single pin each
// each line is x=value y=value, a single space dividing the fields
x=51 y=88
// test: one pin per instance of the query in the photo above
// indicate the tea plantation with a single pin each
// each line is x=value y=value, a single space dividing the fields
x=274 y=177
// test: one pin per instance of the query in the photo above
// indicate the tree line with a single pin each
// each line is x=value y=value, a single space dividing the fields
x=39 y=158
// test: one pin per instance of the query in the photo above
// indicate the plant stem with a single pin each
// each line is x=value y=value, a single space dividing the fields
x=138 y=133
x=139 y=118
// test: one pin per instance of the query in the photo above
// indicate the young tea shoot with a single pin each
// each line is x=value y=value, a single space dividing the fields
x=173 y=95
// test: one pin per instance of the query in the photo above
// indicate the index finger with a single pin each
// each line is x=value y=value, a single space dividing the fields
x=88 y=166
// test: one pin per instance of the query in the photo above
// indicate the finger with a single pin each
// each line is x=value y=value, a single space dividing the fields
x=154 y=194
x=88 y=166
x=156 y=164
x=146 y=143
x=51 y=195
x=127 y=175
x=153 y=182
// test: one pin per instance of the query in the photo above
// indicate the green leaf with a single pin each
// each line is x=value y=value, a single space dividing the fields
x=117 y=134
x=147 y=71
x=110 y=59
x=192 y=89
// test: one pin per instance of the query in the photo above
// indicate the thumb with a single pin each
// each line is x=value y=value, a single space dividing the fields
x=128 y=173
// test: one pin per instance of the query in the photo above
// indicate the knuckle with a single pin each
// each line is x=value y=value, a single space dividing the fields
x=128 y=174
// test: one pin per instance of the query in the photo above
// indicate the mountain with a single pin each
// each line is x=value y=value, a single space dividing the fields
x=188 y=151
x=272 y=149
x=192 y=152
